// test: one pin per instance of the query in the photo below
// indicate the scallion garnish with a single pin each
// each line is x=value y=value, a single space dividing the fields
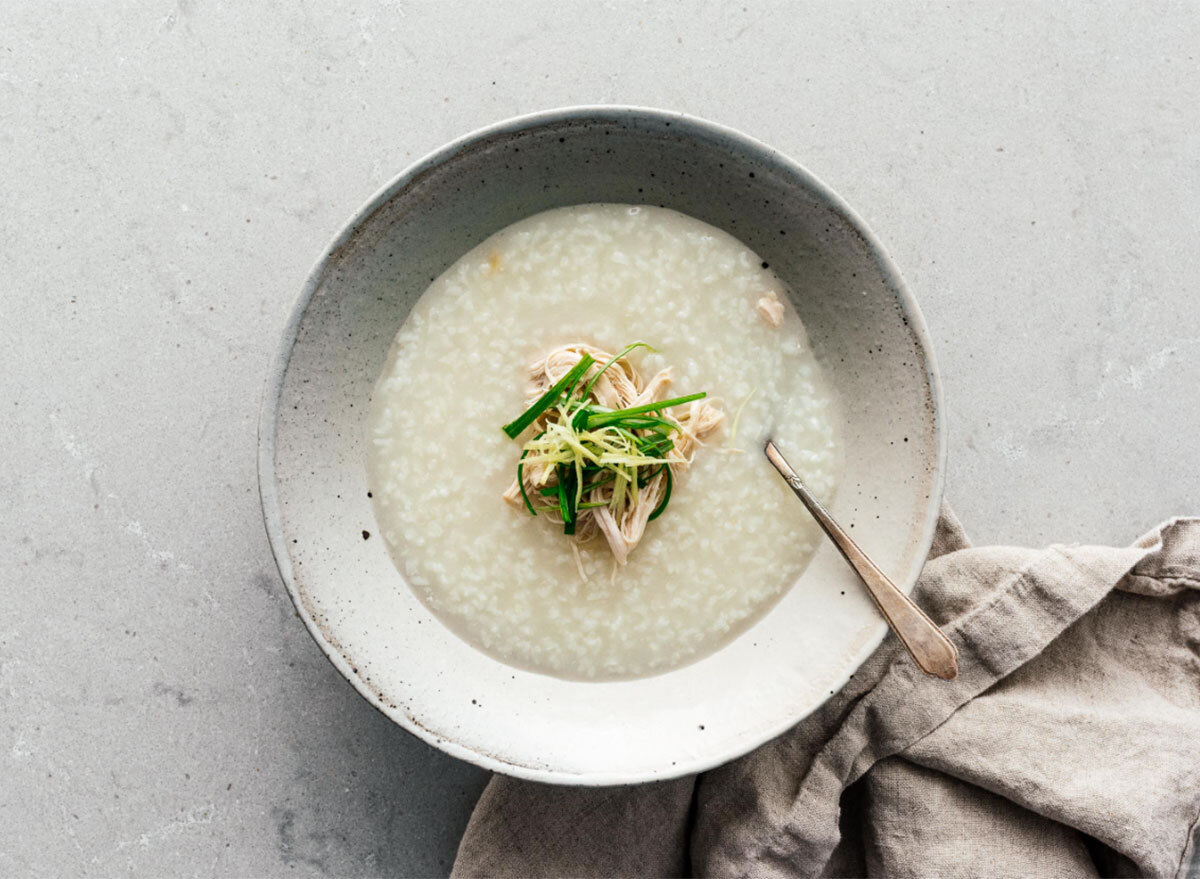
x=548 y=399
x=662 y=505
x=602 y=418
x=589 y=457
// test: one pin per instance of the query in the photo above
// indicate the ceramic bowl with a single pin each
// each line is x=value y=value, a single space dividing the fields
x=864 y=326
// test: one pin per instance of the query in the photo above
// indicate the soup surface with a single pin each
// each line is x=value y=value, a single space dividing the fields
x=733 y=538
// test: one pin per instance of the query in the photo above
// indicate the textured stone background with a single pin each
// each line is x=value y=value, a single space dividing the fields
x=170 y=171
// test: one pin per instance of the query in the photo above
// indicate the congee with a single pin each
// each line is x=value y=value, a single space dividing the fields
x=564 y=447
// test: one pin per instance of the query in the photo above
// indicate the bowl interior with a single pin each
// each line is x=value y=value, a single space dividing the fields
x=863 y=326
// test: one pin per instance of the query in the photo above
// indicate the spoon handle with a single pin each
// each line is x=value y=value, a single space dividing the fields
x=930 y=648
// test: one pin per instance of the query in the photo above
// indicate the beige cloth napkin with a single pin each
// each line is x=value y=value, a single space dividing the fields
x=1069 y=745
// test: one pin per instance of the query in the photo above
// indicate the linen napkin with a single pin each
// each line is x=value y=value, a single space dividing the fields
x=1069 y=745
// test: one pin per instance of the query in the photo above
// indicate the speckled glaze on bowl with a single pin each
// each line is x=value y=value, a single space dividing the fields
x=864 y=326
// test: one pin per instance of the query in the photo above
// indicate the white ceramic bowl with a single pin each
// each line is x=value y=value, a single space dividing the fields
x=864 y=326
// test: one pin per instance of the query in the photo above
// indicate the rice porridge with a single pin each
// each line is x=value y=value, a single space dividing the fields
x=733 y=538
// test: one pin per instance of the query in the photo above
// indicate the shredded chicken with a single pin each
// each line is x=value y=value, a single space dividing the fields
x=771 y=309
x=619 y=387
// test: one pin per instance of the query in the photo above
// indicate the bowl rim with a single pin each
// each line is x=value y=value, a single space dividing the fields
x=269 y=412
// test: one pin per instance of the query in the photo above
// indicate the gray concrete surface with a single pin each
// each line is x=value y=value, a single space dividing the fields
x=170 y=170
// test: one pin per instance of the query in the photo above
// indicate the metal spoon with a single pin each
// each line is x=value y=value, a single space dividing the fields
x=929 y=647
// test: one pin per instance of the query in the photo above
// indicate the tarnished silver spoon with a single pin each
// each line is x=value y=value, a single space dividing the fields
x=929 y=647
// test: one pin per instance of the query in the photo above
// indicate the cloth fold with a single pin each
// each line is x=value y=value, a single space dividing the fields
x=1069 y=744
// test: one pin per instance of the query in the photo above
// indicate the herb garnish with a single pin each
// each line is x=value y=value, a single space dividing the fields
x=587 y=456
